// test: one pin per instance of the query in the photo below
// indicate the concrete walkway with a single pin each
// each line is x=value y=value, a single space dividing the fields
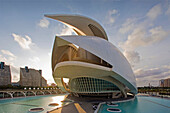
x=83 y=107
x=79 y=108
x=83 y=104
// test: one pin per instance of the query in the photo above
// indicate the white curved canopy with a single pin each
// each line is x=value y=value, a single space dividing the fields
x=108 y=52
x=81 y=25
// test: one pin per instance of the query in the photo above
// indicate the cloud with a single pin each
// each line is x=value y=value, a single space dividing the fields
x=24 y=43
x=34 y=62
x=7 y=57
x=140 y=37
x=66 y=31
x=15 y=69
x=154 y=12
x=6 y=52
x=44 y=23
x=15 y=73
x=15 y=78
x=161 y=72
x=2 y=58
x=128 y=25
x=152 y=75
x=144 y=82
x=49 y=54
x=132 y=56
x=111 y=16
x=131 y=23
x=113 y=12
x=35 y=59
x=141 y=33
x=111 y=20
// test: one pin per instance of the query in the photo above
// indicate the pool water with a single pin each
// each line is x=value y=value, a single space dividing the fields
x=141 y=104
x=22 y=105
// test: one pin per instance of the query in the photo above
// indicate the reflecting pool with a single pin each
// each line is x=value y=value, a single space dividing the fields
x=22 y=105
x=141 y=104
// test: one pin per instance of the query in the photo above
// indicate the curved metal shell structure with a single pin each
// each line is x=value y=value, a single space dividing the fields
x=96 y=66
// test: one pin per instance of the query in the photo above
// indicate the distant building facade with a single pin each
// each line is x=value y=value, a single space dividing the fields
x=43 y=82
x=164 y=82
x=5 y=74
x=31 y=77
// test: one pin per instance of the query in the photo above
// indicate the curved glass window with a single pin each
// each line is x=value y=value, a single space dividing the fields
x=90 y=85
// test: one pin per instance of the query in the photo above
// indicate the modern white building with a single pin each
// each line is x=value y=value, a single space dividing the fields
x=93 y=65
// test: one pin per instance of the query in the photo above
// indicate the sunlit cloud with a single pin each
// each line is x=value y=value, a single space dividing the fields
x=141 y=34
x=24 y=42
x=15 y=71
x=2 y=58
x=6 y=52
x=111 y=16
x=44 y=23
x=9 y=58
x=66 y=31
x=140 y=37
x=132 y=56
x=49 y=54
x=154 y=72
x=113 y=12
x=146 y=82
x=128 y=25
x=154 y=12
x=152 y=75
x=35 y=59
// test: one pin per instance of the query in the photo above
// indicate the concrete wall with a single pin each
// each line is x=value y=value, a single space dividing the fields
x=5 y=75
x=31 y=77
x=167 y=82
x=43 y=82
x=164 y=82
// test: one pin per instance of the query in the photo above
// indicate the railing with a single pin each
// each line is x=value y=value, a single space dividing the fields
x=26 y=93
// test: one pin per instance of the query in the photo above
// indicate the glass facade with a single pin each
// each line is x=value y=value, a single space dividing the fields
x=91 y=85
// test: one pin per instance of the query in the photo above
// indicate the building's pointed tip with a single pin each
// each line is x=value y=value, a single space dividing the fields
x=47 y=15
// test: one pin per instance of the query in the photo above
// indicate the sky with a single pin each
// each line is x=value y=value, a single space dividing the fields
x=140 y=29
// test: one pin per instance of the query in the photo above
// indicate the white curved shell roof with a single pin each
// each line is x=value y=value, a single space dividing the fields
x=92 y=37
x=108 y=52
x=81 y=25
